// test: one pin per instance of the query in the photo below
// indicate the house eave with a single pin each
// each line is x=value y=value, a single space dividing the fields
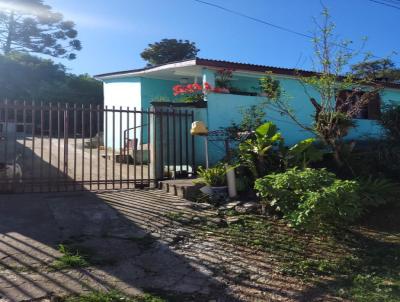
x=145 y=71
x=244 y=68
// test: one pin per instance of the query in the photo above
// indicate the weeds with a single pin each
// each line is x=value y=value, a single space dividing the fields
x=69 y=259
x=175 y=216
x=113 y=296
x=363 y=269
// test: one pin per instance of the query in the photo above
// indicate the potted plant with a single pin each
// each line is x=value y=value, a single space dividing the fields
x=191 y=93
x=223 y=81
x=215 y=182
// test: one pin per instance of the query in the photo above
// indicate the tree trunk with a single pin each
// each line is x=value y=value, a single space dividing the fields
x=337 y=151
x=337 y=156
x=10 y=35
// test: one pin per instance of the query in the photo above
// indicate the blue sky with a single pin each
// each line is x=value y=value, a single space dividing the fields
x=114 y=32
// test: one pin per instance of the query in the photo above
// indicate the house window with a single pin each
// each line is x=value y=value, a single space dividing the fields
x=346 y=101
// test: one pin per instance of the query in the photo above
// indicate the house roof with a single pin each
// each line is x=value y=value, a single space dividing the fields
x=217 y=64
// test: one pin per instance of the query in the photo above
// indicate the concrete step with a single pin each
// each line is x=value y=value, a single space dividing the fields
x=184 y=188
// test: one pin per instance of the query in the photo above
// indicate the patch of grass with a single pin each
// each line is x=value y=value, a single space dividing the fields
x=347 y=264
x=69 y=259
x=370 y=288
x=113 y=296
x=175 y=216
x=181 y=217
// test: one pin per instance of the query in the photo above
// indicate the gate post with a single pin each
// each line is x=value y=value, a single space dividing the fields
x=156 y=172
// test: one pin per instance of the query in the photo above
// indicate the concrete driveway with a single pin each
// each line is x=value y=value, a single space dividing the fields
x=126 y=235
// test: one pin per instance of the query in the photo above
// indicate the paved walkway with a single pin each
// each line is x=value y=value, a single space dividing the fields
x=133 y=245
x=123 y=241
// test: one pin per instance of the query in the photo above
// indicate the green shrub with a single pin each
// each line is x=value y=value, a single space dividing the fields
x=303 y=154
x=214 y=177
x=311 y=198
x=379 y=158
x=258 y=153
x=379 y=191
x=390 y=120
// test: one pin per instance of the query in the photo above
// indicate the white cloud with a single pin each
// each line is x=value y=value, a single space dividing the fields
x=82 y=20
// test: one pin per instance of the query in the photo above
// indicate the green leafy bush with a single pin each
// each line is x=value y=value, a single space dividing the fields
x=257 y=153
x=377 y=158
x=303 y=153
x=214 y=177
x=264 y=152
x=390 y=120
x=311 y=198
x=379 y=191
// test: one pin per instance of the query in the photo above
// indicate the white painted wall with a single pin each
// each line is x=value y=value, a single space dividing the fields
x=121 y=93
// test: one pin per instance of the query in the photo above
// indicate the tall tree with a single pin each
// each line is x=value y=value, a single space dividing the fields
x=32 y=26
x=26 y=77
x=339 y=97
x=169 y=50
x=382 y=70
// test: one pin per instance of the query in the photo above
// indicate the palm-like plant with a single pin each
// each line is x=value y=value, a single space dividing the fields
x=256 y=152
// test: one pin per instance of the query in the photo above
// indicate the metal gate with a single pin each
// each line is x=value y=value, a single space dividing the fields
x=46 y=147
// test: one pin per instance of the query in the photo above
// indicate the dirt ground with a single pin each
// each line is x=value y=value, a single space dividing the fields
x=132 y=245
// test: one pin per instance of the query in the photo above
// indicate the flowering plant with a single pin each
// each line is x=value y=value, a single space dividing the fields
x=223 y=79
x=195 y=92
x=192 y=92
x=221 y=90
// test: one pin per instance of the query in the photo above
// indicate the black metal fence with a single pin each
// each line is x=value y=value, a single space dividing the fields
x=68 y=147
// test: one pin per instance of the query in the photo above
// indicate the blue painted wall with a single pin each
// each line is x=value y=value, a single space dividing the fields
x=224 y=109
x=155 y=89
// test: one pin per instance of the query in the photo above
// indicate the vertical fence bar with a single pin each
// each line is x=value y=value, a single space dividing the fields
x=149 y=146
x=168 y=145
x=126 y=145
x=24 y=138
x=83 y=146
x=41 y=145
x=75 y=141
x=161 y=144
x=120 y=147
x=180 y=143
x=33 y=146
x=91 y=142
x=15 y=144
x=50 y=146
x=154 y=165
x=193 y=149
x=6 y=132
x=187 y=140
x=113 y=148
x=174 y=139
x=58 y=145
x=106 y=147
x=66 y=136
x=135 y=140
x=98 y=147
x=141 y=148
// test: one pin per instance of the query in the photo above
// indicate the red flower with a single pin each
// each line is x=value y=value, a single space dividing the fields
x=221 y=90
x=178 y=89
x=196 y=86
x=207 y=86
x=193 y=89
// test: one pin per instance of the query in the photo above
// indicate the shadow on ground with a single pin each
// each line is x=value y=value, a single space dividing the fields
x=132 y=244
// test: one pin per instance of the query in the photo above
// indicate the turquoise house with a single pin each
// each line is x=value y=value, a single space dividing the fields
x=153 y=86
